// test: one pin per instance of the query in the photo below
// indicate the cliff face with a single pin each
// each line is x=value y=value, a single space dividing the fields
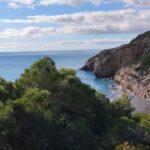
x=108 y=62
x=128 y=64
x=135 y=81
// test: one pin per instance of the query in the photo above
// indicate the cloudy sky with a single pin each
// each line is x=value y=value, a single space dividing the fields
x=41 y=25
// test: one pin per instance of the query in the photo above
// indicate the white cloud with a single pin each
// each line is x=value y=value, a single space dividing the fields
x=13 y=5
x=93 y=41
x=73 y=2
x=139 y=3
x=35 y=32
x=23 y=2
x=32 y=32
x=119 y=21
x=62 y=2
x=20 y=3
x=31 y=3
x=60 y=45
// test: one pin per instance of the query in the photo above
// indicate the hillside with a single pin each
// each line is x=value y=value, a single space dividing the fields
x=129 y=65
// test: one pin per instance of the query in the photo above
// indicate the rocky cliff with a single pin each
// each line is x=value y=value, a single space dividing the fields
x=135 y=81
x=129 y=65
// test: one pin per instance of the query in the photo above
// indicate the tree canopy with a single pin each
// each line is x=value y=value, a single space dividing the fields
x=50 y=109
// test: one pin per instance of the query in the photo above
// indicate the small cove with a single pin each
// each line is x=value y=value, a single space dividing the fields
x=13 y=64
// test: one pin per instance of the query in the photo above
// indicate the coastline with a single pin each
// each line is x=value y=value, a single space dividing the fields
x=138 y=103
x=129 y=65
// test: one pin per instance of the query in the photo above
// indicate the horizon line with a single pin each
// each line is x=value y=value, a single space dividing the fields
x=44 y=51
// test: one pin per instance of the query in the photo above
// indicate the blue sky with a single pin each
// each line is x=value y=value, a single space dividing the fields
x=41 y=25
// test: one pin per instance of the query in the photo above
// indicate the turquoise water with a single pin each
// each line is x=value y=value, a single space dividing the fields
x=13 y=64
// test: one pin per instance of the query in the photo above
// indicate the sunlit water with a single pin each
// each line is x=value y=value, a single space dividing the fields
x=13 y=64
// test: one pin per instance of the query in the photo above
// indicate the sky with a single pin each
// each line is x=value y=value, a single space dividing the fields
x=52 y=25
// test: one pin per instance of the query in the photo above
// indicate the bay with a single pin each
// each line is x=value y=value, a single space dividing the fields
x=13 y=64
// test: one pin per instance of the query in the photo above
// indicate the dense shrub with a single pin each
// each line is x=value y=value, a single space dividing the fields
x=50 y=109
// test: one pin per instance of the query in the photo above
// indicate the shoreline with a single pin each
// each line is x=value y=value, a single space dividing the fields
x=138 y=103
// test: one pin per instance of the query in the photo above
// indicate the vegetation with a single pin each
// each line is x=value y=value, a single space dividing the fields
x=140 y=37
x=50 y=109
x=145 y=61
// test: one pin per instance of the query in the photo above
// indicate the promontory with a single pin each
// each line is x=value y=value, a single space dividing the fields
x=128 y=64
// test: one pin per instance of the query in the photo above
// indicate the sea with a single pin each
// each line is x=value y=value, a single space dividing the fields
x=12 y=65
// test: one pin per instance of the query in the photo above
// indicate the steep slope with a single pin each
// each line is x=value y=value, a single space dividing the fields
x=128 y=64
x=135 y=81
x=108 y=62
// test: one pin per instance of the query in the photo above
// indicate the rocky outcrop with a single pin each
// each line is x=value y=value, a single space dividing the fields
x=127 y=64
x=133 y=80
x=108 y=62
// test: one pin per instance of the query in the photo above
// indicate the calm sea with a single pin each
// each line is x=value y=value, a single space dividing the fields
x=13 y=64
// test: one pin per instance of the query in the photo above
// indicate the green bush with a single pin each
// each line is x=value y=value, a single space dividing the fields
x=50 y=109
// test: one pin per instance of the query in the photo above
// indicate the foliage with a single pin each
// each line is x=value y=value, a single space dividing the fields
x=42 y=74
x=128 y=146
x=7 y=90
x=143 y=120
x=141 y=37
x=50 y=109
x=122 y=106
x=145 y=61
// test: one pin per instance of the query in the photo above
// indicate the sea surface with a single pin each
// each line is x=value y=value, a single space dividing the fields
x=13 y=64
